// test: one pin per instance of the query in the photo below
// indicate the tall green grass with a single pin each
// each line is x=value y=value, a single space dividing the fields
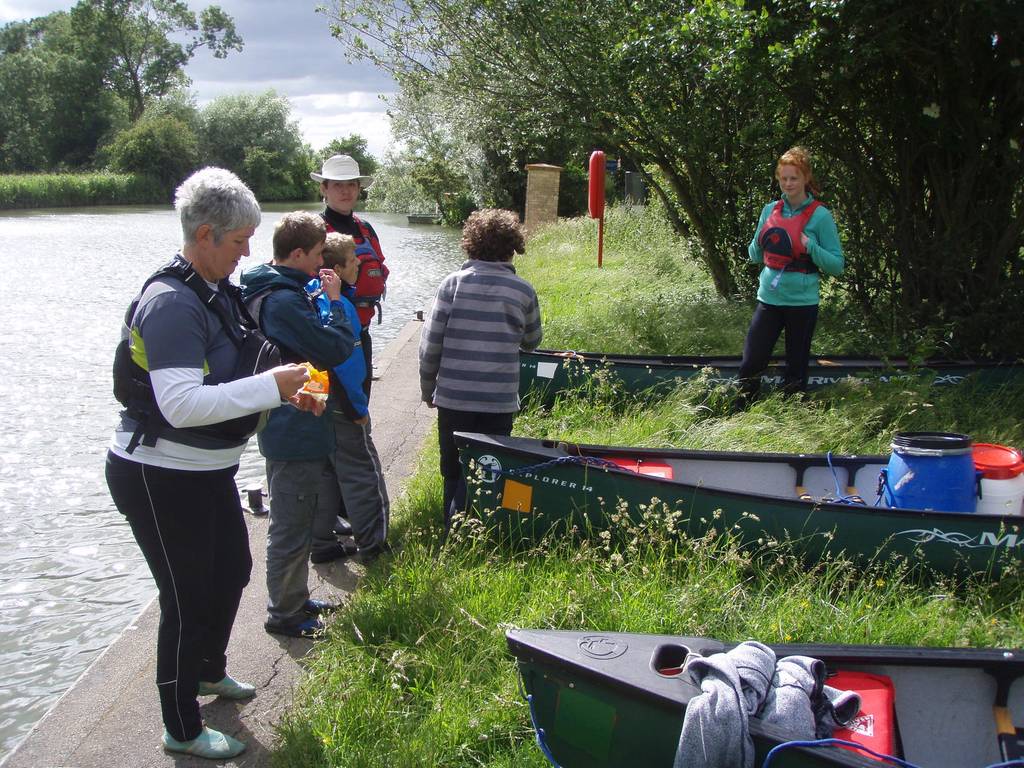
x=62 y=190
x=649 y=297
x=652 y=296
x=414 y=670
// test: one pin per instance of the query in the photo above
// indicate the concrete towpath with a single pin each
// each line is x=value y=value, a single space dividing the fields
x=111 y=716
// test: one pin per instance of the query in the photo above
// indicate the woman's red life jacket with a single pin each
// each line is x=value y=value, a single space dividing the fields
x=781 y=243
x=371 y=284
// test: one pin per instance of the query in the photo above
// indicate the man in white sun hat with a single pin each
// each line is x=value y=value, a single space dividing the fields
x=360 y=481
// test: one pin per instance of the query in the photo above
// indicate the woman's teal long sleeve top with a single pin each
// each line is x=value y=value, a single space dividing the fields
x=795 y=289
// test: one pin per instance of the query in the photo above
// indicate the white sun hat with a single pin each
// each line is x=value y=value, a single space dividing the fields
x=341 y=168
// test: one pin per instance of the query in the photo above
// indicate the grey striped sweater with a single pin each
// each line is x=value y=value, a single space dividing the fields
x=469 y=349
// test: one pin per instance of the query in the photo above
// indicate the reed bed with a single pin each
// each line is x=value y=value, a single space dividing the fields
x=63 y=190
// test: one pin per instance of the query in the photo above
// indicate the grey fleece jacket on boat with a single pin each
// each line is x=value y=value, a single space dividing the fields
x=748 y=682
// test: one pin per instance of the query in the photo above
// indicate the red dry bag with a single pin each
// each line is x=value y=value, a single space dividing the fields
x=875 y=724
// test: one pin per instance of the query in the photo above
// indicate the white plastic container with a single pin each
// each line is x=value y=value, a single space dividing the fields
x=1002 y=479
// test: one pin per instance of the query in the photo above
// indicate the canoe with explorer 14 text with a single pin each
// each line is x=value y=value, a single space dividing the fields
x=823 y=504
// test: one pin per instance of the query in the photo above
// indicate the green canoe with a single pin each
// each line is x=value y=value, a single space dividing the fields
x=615 y=700
x=549 y=371
x=530 y=488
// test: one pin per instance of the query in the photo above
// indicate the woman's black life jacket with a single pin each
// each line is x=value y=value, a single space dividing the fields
x=134 y=389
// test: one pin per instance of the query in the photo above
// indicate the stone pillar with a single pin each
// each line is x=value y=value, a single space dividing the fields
x=541 y=194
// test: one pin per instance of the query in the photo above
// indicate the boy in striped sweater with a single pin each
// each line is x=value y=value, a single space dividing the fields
x=483 y=314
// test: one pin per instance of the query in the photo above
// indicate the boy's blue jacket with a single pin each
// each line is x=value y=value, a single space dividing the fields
x=290 y=319
x=352 y=397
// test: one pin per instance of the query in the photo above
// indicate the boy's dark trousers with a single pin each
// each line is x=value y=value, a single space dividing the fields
x=190 y=529
x=768 y=323
x=448 y=422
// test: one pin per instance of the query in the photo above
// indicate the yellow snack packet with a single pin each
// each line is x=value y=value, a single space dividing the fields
x=319 y=384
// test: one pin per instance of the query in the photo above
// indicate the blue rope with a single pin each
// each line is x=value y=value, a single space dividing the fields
x=540 y=734
x=833 y=743
x=840 y=498
x=1007 y=764
x=883 y=486
x=590 y=461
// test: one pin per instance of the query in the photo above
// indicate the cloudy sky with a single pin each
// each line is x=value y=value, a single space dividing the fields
x=288 y=47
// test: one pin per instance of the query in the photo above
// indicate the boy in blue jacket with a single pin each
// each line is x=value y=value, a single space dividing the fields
x=354 y=477
x=296 y=444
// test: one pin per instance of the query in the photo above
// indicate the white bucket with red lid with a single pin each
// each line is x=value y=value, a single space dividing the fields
x=1002 y=479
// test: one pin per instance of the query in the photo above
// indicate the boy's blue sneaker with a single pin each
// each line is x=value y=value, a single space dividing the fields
x=210 y=744
x=318 y=607
x=228 y=688
x=309 y=628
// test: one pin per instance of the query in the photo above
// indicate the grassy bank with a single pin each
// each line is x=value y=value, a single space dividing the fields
x=64 y=190
x=414 y=671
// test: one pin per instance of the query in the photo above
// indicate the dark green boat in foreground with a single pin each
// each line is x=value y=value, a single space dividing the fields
x=614 y=700
x=530 y=488
x=551 y=371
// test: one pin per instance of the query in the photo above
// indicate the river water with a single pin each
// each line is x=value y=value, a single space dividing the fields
x=71 y=576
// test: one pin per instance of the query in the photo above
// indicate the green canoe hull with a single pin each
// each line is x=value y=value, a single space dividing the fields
x=531 y=488
x=606 y=699
x=549 y=372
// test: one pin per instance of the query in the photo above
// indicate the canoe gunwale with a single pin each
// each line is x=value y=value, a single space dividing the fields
x=837 y=363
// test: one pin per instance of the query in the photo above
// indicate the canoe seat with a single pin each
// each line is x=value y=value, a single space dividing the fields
x=851 y=497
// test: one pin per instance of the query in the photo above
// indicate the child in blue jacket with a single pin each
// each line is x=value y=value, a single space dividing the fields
x=354 y=480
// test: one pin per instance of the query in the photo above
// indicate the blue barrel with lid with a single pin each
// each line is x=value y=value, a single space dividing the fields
x=931 y=470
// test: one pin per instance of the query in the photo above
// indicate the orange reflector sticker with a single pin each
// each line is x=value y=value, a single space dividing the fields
x=517 y=496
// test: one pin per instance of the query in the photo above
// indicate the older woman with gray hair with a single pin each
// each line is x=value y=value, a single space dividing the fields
x=190 y=374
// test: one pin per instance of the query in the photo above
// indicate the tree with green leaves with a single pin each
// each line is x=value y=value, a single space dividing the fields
x=913 y=110
x=55 y=108
x=629 y=77
x=159 y=145
x=255 y=136
x=70 y=80
x=918 y=109
x=393 y=187
x=141 y=38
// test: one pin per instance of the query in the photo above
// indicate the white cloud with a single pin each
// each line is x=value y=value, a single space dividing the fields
x=326 y=102
x=288 y=47
x=28 y=9
x=318 y=129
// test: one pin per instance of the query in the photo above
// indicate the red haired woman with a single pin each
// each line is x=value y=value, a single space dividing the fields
x=796 y=239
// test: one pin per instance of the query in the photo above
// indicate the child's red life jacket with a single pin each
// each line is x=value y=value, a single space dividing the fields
x=781 y=243
x=371 y=284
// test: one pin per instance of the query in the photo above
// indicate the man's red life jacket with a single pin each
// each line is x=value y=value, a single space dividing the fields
x=781 y=243
x=371 y=284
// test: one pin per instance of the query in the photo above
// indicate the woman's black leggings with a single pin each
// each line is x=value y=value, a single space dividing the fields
x=190 y=529
x=768 y=323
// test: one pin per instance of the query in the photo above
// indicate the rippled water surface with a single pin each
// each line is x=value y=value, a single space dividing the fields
x=71 y=577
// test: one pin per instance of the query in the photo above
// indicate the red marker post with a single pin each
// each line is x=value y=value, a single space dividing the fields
x=596 y=201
